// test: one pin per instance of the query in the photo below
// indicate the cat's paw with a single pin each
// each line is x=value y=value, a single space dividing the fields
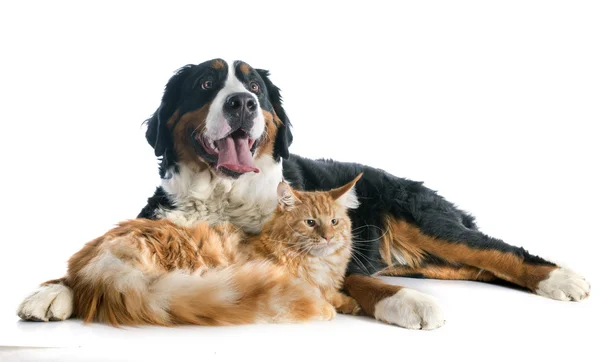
x=564 y=284
x=327 y=312
x=410 y=309
x=52 y=302
x=349 y=306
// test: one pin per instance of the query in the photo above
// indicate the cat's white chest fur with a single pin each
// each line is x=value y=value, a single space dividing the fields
x=327 y=272
x=246 y=202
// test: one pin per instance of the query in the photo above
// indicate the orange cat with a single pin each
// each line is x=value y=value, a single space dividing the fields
x=155 y=272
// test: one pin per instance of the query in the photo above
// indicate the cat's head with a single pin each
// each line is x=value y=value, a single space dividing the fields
x=317 y=222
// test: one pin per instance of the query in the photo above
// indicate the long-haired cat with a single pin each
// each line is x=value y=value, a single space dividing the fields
x=156 y=272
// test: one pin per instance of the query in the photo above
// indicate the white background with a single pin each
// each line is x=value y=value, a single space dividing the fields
x=493 y=104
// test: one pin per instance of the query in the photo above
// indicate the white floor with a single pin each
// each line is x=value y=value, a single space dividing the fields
x=484 y=322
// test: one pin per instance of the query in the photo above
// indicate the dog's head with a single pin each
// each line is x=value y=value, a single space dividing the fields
x=221 y=116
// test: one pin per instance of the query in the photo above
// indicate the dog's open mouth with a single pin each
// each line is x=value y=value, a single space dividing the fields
x=232 y=155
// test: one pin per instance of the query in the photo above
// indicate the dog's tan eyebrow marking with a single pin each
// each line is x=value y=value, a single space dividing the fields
x=217 y=64
x=245 y=68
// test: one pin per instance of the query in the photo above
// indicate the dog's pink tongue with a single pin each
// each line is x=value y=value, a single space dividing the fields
x=235 y=155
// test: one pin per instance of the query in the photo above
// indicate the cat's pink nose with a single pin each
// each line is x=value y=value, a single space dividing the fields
x=327 y=237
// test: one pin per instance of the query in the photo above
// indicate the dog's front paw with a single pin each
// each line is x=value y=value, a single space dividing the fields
x=51 y=302
x=564 y=284
x=410 y=309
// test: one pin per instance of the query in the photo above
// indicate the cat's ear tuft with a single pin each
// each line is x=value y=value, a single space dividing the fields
x=346 y=195
x=285 y=196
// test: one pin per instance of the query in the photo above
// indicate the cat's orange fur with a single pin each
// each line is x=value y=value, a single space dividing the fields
x=156 y=272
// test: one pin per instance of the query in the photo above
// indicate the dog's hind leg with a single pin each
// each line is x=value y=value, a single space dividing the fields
x=470 y=254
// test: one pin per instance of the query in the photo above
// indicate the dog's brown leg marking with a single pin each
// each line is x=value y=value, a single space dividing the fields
x=447 y=272
x=368 y=291
x=408 y=238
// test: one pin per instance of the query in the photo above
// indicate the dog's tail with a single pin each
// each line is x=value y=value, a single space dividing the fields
x=250 y=293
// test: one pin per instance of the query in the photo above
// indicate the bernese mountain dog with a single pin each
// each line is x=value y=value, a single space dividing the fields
x=222 y=136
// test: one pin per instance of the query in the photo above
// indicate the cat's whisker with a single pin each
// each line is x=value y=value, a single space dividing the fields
x=286 y=243
x=302 y=249
x=306 y=249
x=370 y=240
x=360 y=264
x=299 y=246
x=365 y=226
x=300 y=252
x=296 y=248
x=358 y=241
x=364 y=256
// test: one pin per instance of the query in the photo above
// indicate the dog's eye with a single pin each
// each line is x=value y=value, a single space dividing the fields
x=311 y=223
x=208 y=84
x=254 y=87
x=334 y=221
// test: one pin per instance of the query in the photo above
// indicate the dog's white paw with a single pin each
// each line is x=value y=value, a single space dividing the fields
x=410 y=309
x=564 y=284
x=53 y=302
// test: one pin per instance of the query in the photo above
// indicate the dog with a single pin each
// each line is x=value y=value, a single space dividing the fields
x=222 y=139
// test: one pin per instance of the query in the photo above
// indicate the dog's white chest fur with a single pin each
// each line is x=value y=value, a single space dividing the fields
x=246 y=202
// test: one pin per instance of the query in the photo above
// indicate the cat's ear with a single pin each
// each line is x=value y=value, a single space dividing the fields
x=346 y=195
x=285 y=196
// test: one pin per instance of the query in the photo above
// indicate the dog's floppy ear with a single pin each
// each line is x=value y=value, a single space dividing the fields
x=157 y=134
x=284 y=137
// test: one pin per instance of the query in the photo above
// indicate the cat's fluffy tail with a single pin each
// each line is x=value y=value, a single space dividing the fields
x=250 y=293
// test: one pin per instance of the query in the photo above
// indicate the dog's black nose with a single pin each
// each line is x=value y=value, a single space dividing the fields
x=240 y=110
x=240 y=101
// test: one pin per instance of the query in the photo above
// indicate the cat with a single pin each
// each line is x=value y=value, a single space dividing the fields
x=156 y=272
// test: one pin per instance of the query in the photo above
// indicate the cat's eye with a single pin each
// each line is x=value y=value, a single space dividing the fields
x=208 y=84
x=254 y=87
x=334 y=221
x=310 y=222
